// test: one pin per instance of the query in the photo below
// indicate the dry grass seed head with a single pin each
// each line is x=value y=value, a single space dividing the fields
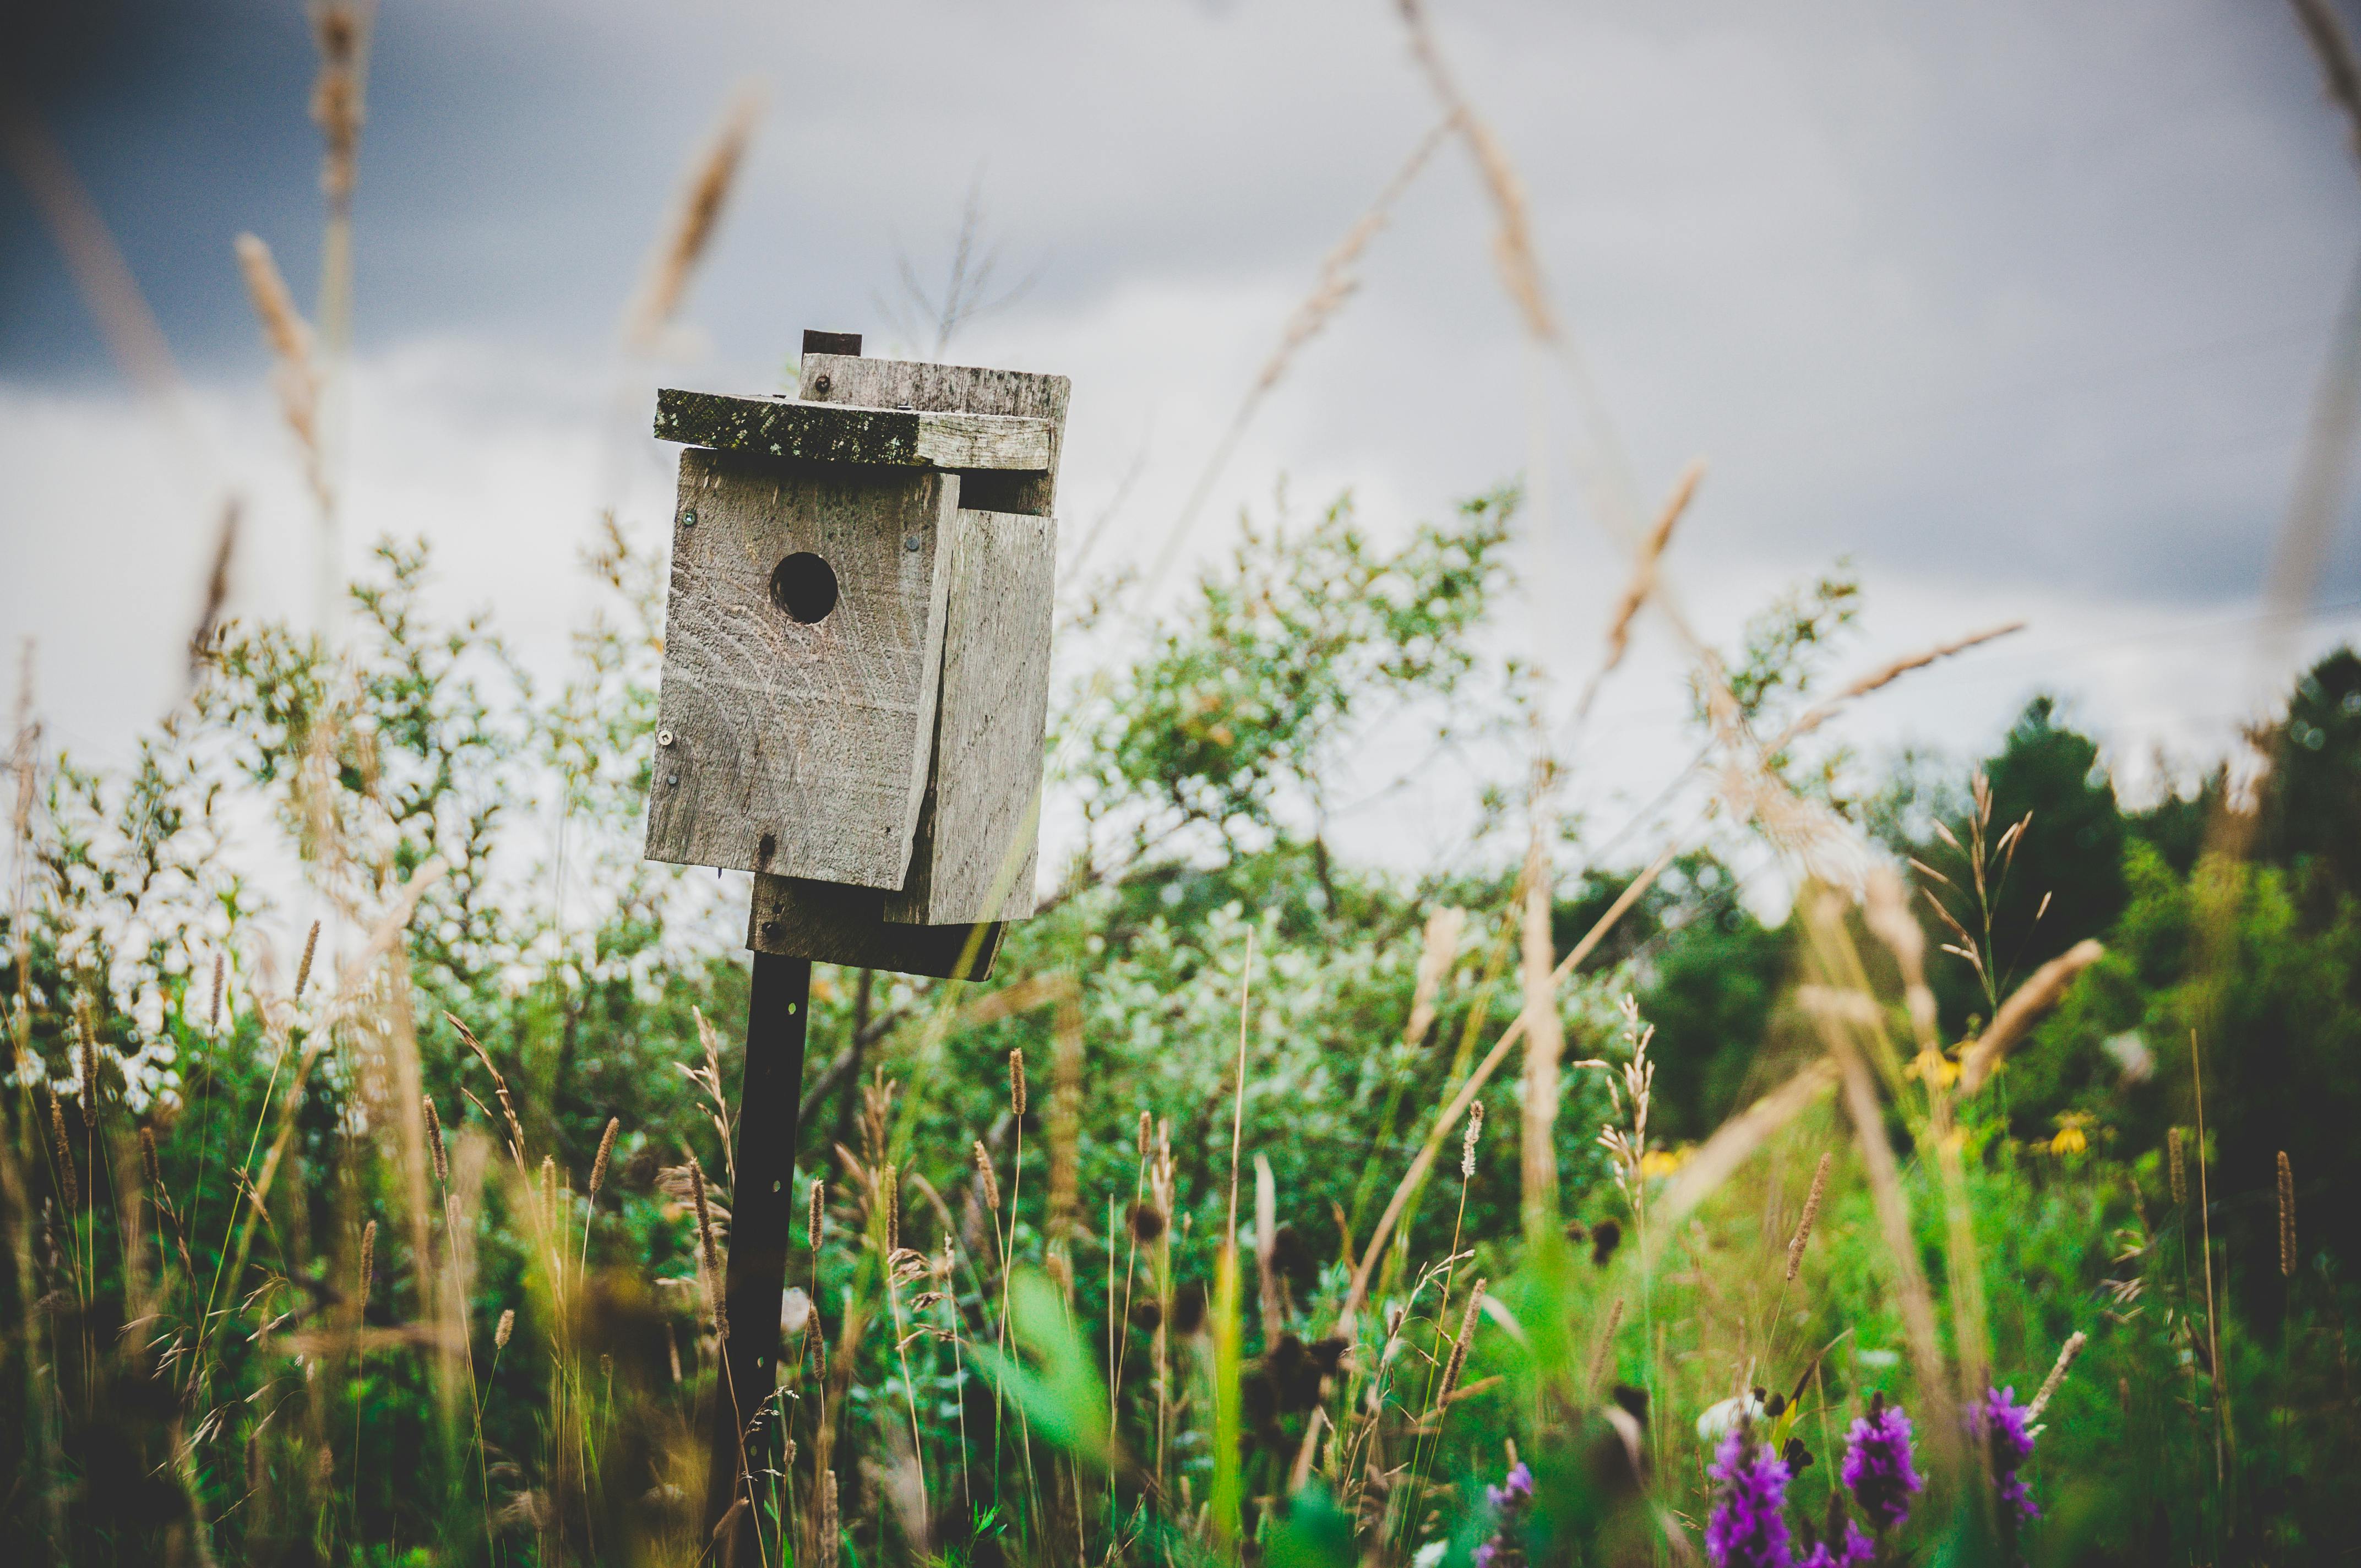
x=2066 y=1355
x=831 y=1530
x=2174 y=1156
x=1811 y=1212
x=1642 y=582
x=303 y=967
x=708 y=1247
x=434 y=1144
x=67 y=1178
x=1468 y=1145
x=367 y=1269
x=507 y=1327
x=2287 y=1217
x=606 y=1152
x=1016 y=1083
x=694 y=220
x=1458 y=1362
x=89 y=1062
x=341 y=32
x=986 y=1178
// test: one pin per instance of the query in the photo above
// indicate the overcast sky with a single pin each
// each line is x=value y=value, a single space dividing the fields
x=2020 y=305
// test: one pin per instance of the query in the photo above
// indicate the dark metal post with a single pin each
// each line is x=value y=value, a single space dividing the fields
x=762 y=1217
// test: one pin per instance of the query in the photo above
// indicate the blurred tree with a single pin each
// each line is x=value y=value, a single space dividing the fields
x=2311 y=808
x=2071 y=853
x=1708 y=974
x=2059 y=881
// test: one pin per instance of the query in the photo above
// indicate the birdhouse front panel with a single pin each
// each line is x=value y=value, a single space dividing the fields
x=803 y=651
x=977 y=843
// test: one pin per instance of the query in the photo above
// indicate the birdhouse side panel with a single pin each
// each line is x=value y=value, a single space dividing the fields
x=978 y=836
x=803 y=646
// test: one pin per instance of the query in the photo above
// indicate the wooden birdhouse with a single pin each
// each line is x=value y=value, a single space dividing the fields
x=857 y=654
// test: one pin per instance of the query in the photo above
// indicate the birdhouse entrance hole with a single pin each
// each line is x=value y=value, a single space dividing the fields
x=804 y=586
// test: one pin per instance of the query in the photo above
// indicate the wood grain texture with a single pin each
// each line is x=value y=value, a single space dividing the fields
x=976 y=853
x=827 y=432
x=837 y=925
x=965 y=389
x=800 y=749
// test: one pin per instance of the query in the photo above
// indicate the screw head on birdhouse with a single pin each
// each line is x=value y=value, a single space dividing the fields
x=855 y=678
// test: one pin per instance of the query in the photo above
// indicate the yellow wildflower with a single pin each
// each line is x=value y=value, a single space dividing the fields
x=1934 y=1067
x=2070 y=1138
x=1663 y=1162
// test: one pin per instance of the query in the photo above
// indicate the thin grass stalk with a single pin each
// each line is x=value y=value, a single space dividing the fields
x=1238 y=1111
x=1916 y=1302
x=1439 y=945
x=1356 y=1292
x=1228 y=1489
x=2213 y=1323
x=1545 y=1042
x=1337 y=284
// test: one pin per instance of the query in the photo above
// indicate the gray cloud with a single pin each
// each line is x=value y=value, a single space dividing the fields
x=2017 y=298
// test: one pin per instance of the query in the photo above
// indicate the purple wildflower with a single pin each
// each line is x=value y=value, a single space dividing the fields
x=1854 y=1551
x=1877 y=1468
x=1515 y=1490
x=1510 y=1500
x=2000 y=1421
x=1748 y=1527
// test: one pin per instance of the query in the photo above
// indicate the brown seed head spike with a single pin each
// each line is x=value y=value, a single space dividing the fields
x=303 y=969
x=67 y=1181
x=986 y=1177
x=221 y=973
x=2179 y=1174
x=369 y=1266
x=819 y=1215
x=889 y=1193
x=1458 y=1362
x=507 y=1327
x=151 y=1163
x=606 y=1151
x=1468 y=1147
x=2287 y=1217
x=708 y=1248
x=434 y=1144
x=89 y=1063
x=1811 y=1212
x=1016 y=1083
x=831 y=1531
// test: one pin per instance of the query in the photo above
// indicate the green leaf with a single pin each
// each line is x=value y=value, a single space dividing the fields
x=1311 y=1532
x=1060 y=1392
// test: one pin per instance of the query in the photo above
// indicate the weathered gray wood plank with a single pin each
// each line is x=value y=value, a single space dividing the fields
x=824 y=432
x=968 y=389
x=836 y=925
x=802 y=749
x=977 y=850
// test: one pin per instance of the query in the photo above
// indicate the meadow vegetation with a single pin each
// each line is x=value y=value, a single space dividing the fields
x=399 y=1248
